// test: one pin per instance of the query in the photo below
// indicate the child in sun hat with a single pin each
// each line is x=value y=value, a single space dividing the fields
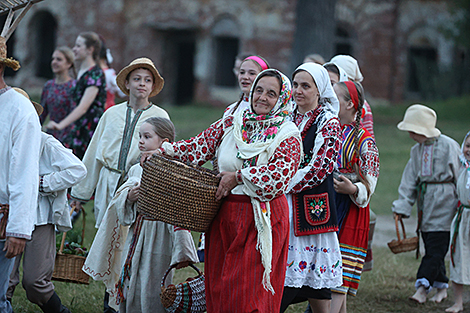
x=113 y=148
x=460 y=231
x=59 y=169
x=429 y=180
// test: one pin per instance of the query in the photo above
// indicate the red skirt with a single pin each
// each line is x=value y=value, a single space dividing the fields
x=233 y=267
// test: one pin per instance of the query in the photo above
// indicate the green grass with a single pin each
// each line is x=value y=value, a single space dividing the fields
x=388 y=286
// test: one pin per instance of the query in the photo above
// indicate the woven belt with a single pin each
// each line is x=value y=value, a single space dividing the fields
x=113 y=169
x=460 y=210
x=4 y=209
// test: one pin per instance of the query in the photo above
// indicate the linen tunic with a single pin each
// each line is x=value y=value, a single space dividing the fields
x=60 y=170
x=315 y=260
x=19 y=161
x=460 y=268
x=159 y=246
x=435 y=161
x=111 y=152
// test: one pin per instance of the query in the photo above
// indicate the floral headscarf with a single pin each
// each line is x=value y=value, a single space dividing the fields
x=257 y=136
x=254 y=132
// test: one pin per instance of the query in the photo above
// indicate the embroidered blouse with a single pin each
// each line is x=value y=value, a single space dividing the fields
x=312 y=172
x=268 y=180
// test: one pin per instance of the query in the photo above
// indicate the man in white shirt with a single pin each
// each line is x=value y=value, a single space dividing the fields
x=20 y=138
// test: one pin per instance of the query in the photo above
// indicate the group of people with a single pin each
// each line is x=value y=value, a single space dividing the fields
x=297 y=163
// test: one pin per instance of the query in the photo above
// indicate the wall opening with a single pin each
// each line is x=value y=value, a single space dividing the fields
x=422 y=70
x=226 y=49
x=343 y=41
x=44 y=34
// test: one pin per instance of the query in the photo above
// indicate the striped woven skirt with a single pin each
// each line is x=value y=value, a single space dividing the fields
x=233 y=267
x=353 y=238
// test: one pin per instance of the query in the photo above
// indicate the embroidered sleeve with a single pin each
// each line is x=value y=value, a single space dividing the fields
x=369 y=163
x=198 y=149
x=271 y=180
x=322 y=164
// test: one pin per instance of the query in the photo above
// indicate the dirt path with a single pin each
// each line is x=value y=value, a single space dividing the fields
x=385 y=229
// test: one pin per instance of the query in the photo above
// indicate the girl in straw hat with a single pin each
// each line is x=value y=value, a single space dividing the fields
x=429 y=181
x=114 y=148
x=460 y=231
x=89 y=95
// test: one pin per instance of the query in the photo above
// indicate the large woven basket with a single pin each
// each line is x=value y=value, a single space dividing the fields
x=177 y=193
x=405 y=244
x=68 y=267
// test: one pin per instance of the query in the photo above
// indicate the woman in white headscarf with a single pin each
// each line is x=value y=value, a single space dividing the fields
x=314 y=260
x=259 y=151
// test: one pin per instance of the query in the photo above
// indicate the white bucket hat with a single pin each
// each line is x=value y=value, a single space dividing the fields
x=421 y=120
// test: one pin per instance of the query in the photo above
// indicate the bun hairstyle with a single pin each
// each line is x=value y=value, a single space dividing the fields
x=92 y=40
x=163 y=127
x=359 y=108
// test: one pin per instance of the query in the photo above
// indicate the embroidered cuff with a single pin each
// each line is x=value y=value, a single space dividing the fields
x=18 y=235
x=239 y=177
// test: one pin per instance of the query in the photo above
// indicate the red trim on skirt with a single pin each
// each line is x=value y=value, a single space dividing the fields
x=233 y=267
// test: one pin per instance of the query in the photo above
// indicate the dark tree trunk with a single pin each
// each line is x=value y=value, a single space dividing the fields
x=315 y=30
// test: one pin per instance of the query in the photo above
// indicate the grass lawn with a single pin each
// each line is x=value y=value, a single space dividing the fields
x=387 y=287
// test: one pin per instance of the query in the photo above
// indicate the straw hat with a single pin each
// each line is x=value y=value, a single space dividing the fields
x=37 y=106
x=15 y=65
x=421 y=120
x=140 y=63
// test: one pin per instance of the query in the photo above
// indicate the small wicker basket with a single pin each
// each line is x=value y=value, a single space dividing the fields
x=177 y=193
x=68 y=267
x=405 y=244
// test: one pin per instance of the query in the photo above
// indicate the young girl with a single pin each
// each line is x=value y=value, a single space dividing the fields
x=151 y=246
x=460 y=231
x=358 y=164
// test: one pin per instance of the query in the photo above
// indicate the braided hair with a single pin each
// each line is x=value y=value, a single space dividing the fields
x=357 y=127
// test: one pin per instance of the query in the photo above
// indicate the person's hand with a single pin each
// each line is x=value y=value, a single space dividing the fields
x=14 y=246
x=133 y=194
x=227 y=183
x=344 y=186
x=52 y=125
x=77 y=205
x=146 y=155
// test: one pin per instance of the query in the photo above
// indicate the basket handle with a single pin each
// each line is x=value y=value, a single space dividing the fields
x=200 y=273
x=64 y=234
x=398 y=218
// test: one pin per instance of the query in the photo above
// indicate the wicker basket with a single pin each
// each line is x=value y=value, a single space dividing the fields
x=68 y=267
x=179 y=194
x=405 y=244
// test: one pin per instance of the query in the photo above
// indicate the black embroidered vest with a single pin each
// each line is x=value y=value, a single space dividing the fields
x=314 y=209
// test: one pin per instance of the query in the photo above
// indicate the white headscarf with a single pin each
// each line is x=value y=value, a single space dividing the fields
x=465 y=162
x=343 y=77
x=330 y=108
x=350 y=65
x=320 y=75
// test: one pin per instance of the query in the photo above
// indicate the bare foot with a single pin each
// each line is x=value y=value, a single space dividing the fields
x=455 y=308
x=420 y=295
x=440 y=295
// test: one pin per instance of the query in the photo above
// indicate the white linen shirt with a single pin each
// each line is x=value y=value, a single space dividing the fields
x=60 y=170
x=20 y=139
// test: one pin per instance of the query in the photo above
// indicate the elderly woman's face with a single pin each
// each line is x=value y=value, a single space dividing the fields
x=265 y=94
